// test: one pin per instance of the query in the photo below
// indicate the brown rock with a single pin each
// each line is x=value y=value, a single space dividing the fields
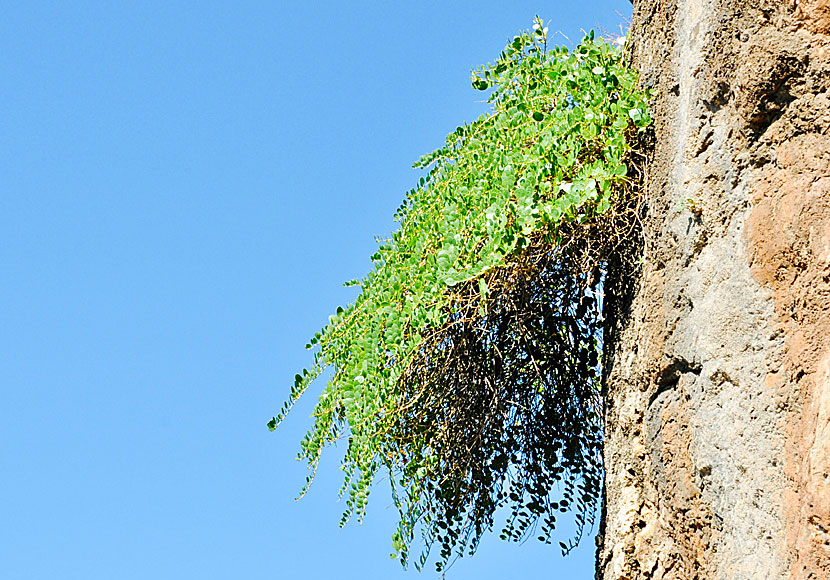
x=718 y=418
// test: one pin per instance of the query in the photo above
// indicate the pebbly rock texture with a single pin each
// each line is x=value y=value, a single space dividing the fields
x=718 y=400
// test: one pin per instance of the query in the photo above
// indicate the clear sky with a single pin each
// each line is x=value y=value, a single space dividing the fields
x=184 y=186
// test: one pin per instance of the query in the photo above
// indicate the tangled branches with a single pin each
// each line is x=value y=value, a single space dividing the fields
x=507 y=404
x=501 y=405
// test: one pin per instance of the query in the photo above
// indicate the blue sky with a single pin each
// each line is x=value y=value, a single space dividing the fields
x=183 y=188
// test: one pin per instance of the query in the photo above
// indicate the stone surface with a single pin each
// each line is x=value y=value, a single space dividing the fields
x=718 y=417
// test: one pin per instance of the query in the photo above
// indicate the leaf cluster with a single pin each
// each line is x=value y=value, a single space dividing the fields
x=469 y=366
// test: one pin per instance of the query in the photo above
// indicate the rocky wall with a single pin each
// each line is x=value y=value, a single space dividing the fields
x=718 y=399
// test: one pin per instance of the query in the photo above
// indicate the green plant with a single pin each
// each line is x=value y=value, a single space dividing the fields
x=469 y=365
x=692 y=205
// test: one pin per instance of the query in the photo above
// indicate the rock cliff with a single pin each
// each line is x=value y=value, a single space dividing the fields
x=718 y=400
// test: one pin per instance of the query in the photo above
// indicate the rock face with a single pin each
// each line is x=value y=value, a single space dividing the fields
x=718 y=419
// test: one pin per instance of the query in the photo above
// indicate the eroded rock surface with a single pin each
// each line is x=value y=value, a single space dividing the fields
x=718 y=419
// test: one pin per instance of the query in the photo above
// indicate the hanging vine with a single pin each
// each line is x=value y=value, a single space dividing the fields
x=469 y=365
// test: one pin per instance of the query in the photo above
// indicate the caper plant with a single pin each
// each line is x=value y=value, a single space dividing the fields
x=469 y=366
